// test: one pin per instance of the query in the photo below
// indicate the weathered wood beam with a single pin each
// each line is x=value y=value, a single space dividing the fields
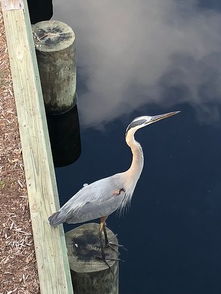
x=50 y=248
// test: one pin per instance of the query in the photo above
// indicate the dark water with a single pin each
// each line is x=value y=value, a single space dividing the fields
x=173 y=228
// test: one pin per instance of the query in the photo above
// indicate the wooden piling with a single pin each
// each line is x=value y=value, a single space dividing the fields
x=90 y=275
x=55 y=49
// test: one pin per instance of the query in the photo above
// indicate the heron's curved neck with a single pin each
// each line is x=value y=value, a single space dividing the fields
x=137 y=156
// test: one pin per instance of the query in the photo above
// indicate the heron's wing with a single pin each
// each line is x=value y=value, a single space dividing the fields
x=98 y=199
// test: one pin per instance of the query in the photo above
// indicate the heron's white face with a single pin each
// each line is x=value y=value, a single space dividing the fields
x=143 y=121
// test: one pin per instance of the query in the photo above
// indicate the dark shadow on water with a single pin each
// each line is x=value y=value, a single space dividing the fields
x=64 y=132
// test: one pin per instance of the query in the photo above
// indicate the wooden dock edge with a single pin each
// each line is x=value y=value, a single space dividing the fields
x=50 y=247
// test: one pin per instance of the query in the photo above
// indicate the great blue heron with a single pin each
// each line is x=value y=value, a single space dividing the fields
x=103 y=197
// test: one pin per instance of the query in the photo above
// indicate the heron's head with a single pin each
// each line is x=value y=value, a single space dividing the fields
x=143 y=121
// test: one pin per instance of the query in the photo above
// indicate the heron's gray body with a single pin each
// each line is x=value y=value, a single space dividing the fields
x=96 y=200
x=103 y=197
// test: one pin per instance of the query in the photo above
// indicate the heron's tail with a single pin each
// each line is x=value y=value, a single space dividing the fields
x=56 y=219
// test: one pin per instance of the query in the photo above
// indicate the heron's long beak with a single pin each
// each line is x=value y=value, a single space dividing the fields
x=156 y=118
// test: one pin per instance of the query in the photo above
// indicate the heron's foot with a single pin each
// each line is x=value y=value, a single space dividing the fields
x=113 y=245
x=105 y=260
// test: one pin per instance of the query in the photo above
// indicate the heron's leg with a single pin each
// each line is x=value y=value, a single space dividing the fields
x=101 y=227
x=103 y=257
x=107 y=242
x=102 y=249
x=103 y=220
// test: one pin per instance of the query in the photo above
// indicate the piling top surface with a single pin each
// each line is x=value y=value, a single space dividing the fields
x=52 y=35
x=84 y=252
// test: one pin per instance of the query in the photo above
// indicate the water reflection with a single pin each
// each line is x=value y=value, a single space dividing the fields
x=64 y=132
x=142 y=45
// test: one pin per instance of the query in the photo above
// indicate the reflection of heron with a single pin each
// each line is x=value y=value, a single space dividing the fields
x=101 y=198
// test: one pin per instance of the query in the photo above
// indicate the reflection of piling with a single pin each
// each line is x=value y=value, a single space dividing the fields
x=64 y=134
x=55 y=49
x=40 y=10
x=90 y=275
